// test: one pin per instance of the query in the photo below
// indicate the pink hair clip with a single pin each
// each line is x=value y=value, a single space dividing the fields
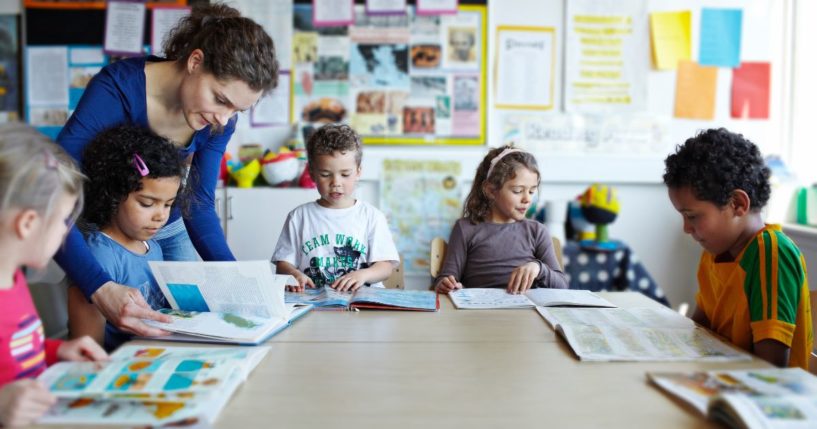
x=140 y=165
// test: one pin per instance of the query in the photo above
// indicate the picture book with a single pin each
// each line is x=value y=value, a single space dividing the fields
x=756 y=398
x=367 y=297
x=636 y=334
x=229 y=302
x=149 y=385
x=492 y=298
x=196 y=326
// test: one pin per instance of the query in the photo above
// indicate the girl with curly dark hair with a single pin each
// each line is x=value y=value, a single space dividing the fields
x=134 y=179
x=494 y=245
x=216 y=63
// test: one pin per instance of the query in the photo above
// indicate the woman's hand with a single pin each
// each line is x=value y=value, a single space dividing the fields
x=522 y=277
x=125 y=308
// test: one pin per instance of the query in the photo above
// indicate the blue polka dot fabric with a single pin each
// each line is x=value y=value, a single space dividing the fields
x=608 y=270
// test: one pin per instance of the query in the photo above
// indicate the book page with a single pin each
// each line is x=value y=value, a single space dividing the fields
x=319 y=297
x=766 y=397
x=189 y=413
x=248 y=288
x=224 y=326
x=416 y=299
x=637 y=334
x=487 y=298
x=545 y=297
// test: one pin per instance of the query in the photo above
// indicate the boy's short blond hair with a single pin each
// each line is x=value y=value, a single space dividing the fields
x=332 y=138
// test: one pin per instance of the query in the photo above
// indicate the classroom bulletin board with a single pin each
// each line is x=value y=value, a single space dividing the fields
x=634 y=78
x=398 y=79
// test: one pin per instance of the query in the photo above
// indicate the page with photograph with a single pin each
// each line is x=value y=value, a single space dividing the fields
x=247 y=288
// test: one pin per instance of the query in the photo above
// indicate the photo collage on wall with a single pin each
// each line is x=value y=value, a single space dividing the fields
x=395 y=79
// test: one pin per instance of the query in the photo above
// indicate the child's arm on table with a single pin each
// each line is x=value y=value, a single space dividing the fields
x=772 y=351
x=22 y=402
x=377 y=272
x=283 y=267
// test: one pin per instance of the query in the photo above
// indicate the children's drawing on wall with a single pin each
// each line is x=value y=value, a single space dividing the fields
x=305 y=47
x=461 y=45
x=442 y=107
x=324 y=109
x=371 y=102
x=48 y=116
x=465 y=93
x=425 y=56
x=465 y=118
x=380 y=65
x=9 y=93
x=428 y=86
x=392 y=76
x=80 y=76
x=418 y=120
x=331 y=68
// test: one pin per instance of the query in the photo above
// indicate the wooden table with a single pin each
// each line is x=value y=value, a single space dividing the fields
x=450 y=369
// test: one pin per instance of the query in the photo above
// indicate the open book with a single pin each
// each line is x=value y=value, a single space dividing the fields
x=492 y=298
x=755 y=398
x=231 y=302
x=148 y=385
x=636 y=334
x=367 y=297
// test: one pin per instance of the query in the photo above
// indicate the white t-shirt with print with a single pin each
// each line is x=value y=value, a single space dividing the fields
x=327 y=243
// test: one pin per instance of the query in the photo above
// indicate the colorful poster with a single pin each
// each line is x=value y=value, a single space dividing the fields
x=671 y=38
x=56 y=77
x=398 y=79
x=720 y=37
x=422 y=200
x=750 y=90
x=606 y=56
x=695 y=91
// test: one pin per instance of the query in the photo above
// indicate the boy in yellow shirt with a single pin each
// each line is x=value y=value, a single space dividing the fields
x=753 y=288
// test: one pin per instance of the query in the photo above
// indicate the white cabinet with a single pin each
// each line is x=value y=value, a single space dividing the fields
x=253 y=217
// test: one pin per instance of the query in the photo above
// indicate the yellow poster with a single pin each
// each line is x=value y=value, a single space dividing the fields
x=670 y=35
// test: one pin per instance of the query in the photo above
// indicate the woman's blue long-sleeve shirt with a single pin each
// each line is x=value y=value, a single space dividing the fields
x=116 y=95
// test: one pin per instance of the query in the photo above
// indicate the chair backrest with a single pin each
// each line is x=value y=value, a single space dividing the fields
x=397 y=279
x=557 y=247
x=439 y=246
x=812 y=365
x=435 y=261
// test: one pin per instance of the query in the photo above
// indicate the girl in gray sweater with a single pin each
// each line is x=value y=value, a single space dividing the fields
x=494 y=245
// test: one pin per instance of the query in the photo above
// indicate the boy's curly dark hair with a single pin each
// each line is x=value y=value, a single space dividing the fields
x=108 y=161
x=716 y=162
x=332 y=138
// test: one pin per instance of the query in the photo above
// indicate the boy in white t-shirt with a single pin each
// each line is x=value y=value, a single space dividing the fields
x=336 y=241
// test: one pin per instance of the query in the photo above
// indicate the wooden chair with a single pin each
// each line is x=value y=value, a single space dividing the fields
x=397 y=279
x=439 y=246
